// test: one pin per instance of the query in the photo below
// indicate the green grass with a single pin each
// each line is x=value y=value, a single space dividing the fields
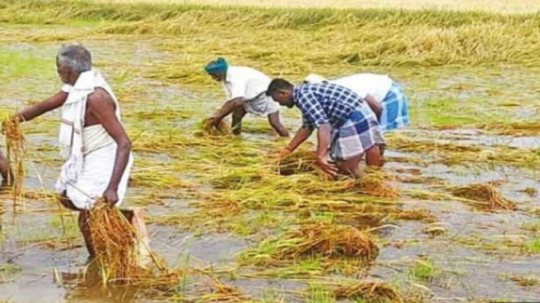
x=319 y=294
x=67 y=224
x=9 y=271
x=24 y=63
x=532 y=246
x=424 y=271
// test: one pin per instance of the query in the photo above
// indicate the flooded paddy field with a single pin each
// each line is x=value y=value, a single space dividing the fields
x=216 y=208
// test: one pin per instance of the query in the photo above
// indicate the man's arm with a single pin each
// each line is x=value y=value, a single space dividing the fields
x=312 y=115
x=323 y=140
x=102 y=108
x=227 y=109
x=36 y=110
x=374 y=105
x=301 y=136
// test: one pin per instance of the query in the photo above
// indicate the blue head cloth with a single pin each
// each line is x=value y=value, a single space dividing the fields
x=220 y=65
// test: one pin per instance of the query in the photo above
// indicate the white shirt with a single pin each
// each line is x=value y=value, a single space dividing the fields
x=251 y=84
x=375 y=85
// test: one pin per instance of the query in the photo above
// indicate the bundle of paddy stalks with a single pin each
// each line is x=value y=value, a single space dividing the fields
x=301 y=161
x=211 y=129
x=485 y=194
x=16 y=149
x=374 y=183
x=369 y=292
x=329 y=240
x=115 y=244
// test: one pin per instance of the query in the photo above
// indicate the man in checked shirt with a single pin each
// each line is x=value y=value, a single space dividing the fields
x=346 y=127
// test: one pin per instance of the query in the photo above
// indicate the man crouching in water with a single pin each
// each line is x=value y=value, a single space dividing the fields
x=92 y=139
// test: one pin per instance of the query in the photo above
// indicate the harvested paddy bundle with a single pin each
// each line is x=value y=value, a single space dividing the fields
x=301 y=161
x=329 y=240
x=485 y=194
x=116 y=244
x=211 y=129
x=369 y=292
x=16 y=149
x=375 y=183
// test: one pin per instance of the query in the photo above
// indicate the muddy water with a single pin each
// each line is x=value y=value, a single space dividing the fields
x=34 y=250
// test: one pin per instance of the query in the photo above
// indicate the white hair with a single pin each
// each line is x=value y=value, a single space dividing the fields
x=75 y=57
x=314 y=78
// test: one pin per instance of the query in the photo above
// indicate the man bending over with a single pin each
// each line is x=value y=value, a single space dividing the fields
x=346 y=127
x=245 y=88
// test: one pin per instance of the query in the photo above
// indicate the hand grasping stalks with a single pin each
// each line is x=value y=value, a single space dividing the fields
x=211 y=129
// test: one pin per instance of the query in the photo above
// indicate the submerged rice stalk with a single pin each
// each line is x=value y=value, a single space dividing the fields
x=486 y=194
x=16 y=150
x=328 y=240
x=369 y=292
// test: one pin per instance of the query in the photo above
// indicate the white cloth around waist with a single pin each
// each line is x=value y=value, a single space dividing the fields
x=261 y=105
x=95 y=177
x=95 y=137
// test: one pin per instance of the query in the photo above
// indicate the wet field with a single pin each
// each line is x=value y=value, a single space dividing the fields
x=216 y=204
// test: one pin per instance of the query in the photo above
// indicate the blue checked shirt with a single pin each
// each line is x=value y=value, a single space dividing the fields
x=323 y=103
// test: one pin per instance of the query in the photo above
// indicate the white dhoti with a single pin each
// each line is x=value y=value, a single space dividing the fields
x=94 y=178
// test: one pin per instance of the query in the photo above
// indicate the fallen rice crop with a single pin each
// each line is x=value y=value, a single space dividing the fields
x=369 y=292
x=326 y=240
x=301 y=161
x=16 y=149
x=485 y=196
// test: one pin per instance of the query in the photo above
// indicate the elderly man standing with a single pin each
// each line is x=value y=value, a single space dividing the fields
x=346 y=127
x=384 y=95
x=92 y=139
x=245 y=88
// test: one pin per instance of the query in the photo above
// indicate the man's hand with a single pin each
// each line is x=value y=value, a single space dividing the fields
x=215 y=119
x=284 y=153
x=111 y=196
x=328 y=168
